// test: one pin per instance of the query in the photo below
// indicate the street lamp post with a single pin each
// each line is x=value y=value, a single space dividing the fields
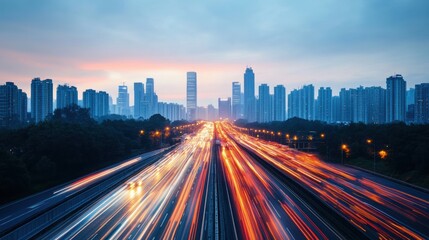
x=369 y=141
x=343 y=149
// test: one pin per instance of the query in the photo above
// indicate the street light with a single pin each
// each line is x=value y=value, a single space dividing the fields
x=296 y=144
x=382 y=154
x=369 y=141
x=344 y=148
x=288 y=139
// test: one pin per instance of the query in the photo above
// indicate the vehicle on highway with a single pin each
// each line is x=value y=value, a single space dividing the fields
x=131 y=185
x=139 y=182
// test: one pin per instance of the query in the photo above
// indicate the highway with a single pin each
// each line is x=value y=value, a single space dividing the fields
x=221 y=184
x=265 y=208
x=26 y=211
x=167 y=203
x=378 y=207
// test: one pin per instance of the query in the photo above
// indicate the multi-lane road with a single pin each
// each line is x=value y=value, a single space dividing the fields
x=221 y=184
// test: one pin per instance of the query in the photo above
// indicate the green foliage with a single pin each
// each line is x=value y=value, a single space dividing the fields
x=72 y=114
x=14 y=177
x=69 y=145
x=407 y=145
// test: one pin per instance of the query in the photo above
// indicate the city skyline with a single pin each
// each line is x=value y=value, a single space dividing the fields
x=273 y=119
x=369 y=104
x=218 y=41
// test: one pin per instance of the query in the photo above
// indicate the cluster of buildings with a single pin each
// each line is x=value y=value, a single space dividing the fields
x=146 y=103
x=15 y=111
x=371 y=105
x=363 y=104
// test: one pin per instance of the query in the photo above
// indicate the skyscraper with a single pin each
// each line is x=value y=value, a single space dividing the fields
x=324 y=105
x=358 y=105
x=13 y=105
x=101 y=104
x=191 y=95
x=345 y=105
x=41 y=99
x=336 y=109
x=224 y=108
x=421 y=106
x=395 y=98
x=96 y=102
x=172 y=111
x=249 y=95
x=279 y=103
x=293 y=103
x=236 y=100
x=409 y=105
x=375 y=105
x=123 y=101
x=151 y=99
x=353 y=105
x=90 y=101
x=264 y=104
x=307 y=102
x=66 y=96
x=410 y=97
x=138 y=99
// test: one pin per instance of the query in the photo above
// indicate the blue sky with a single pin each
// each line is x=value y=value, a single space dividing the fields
x=100 y=44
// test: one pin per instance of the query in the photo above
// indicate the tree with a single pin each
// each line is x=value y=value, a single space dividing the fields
x=72 y=114
x=14 y=177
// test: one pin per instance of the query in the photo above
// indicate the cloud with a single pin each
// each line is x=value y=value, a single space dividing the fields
x=288 y=42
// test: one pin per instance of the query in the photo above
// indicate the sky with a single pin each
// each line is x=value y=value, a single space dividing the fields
x=101 y=44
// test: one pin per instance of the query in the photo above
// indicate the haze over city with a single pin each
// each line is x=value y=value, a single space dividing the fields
x=272 y=119
x=102 y=44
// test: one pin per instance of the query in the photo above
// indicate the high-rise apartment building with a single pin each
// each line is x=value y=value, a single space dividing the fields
x=421 y=106
x=172 y=111
x=345 y=105
x=191 y=95
x=13 y=105
x=41 y=99
x=395 y=98
x=90 y=101
x=307 y=102
x=138 y=99
x=102 y=104
x=66 y=96
x=324 y=105
x=96 y=102
x=279 y=103
x=150 y=103
x=336 y=109
x=249 y=95
x=123 y=101
x=293 y=103
x=375 y=105
x=301 y=103
x=358 y=105
x=264 y=104
x=236 y=101
x=410 y=97
x=409 y=105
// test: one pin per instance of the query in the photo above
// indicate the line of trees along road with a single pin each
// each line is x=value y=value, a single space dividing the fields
x=407 y=146
x=70 y=144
